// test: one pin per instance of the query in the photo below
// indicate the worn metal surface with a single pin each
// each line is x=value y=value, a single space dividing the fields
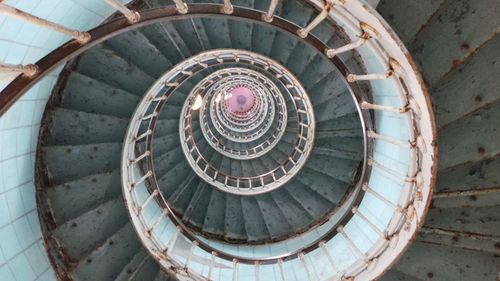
x=464 y=140
x=457 y=46
x=470 y=86
x=459 y=27
x=408 y=17
x=429 y=261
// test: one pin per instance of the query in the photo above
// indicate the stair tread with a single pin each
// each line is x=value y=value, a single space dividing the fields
x=70 y=127
x=437 y=54
x=107 y=261
x=135 y=47
x=107 y=66
x=73 y=198
x=460 y=264
x=234 y=222
x=255 y=226
x=86 y=94
x=92 y=159
x=81 y=235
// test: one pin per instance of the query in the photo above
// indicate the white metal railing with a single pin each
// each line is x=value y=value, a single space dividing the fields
x=351 y=253
x=398 y=191
x=248 y=133
x=81 y=37
x=276 y=177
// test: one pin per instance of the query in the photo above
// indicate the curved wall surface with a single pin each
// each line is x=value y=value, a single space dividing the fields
x=22 y=253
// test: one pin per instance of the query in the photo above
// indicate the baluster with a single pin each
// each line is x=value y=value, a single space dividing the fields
x=304 y=263
x=141 y=180
x=157 y=221
x=268 y=17
x=212 y=264
x=373 y=135
x=81 y=37
x=393 y=69
x=140 y=208
x=367 y=105
x=357 y=212
x=257 y=271
x=172 y=240
x=382 y=198
x=351 y=244
x=282 y=270
x=147 y=133
x=181 y=7
x=147 y=117
x=368 y=32
x=303 y=32
x=235 y=270
x=132 y=16
x=324 y=249
x=228 y=7
x=28 y=70
x=191 y=250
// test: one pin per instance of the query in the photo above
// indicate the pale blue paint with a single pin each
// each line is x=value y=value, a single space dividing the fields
x=22 y=254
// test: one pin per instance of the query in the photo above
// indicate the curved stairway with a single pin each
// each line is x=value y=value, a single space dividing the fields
x=87 y=227
x=458 y=55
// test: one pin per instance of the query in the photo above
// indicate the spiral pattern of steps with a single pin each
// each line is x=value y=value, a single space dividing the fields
x=86 y=224
x=458 y=54
x=86 y=123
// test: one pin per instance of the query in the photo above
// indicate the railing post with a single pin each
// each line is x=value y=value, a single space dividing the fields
x=235 y=269
x=282 y=270
x=181 y=7
x=228 y=7
x=81 y=37
x=28 y=70
x=211 y=268
x=367 y=33
x=132 y=16
x=303 y=32
x=268 y=17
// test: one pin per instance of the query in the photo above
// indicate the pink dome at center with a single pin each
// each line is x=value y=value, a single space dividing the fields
x=240 y=100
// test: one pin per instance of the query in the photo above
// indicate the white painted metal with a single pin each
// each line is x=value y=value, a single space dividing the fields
x=81 y=37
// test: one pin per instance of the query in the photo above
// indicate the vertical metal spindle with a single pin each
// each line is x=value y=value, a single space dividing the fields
x=357 y=212
x=368 y=32
x=351 y=244
x=282 y=270
x=132 y=16
x=228 y=7
x=172 y=240
x=153 y=195
x=144 y=155
x=191 y=250
x=28 y=70
x=303 y=32
x=235 y=270
x=141 y=180
x=268 y=17
x=304 y=263
x=81 y=37
x=257 y=271
x=373 y=135
x=157 y=221
x=212 y=264
x=322 y=245
x=181 y=7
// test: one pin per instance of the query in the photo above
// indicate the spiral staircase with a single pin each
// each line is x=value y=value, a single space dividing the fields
x=272 y=140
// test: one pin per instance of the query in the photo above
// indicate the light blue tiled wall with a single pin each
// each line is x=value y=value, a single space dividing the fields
x=22 y=254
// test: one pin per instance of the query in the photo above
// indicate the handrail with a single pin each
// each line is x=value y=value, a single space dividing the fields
x=289 y=27
x=422 y=139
